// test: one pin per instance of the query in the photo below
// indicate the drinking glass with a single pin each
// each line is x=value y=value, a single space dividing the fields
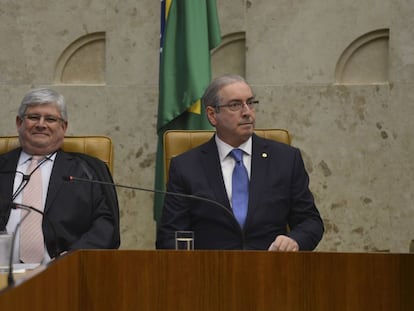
x=184 y=240
x=5 y=247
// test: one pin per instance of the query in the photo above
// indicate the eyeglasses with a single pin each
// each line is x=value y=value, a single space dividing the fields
x=238 y=105
x=49 y=119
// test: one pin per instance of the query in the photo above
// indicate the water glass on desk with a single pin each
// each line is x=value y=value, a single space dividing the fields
x=5 y=248
x=184 y=240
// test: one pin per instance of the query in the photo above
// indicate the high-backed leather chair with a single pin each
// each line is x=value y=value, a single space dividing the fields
x=98 y=146
x=178 y=141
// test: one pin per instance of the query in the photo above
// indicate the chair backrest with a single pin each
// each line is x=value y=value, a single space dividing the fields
x=97 y=146
x=179 y=141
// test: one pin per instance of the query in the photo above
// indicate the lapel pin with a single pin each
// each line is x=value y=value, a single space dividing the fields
x=264 y=155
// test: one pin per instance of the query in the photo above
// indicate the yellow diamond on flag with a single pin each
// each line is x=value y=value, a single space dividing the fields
x=196 y=107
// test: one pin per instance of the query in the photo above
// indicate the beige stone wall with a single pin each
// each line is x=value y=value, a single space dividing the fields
x=337 y=74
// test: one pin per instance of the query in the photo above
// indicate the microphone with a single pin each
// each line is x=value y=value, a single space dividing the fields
x=26 y=177
x=23 y=183
x=177 y=194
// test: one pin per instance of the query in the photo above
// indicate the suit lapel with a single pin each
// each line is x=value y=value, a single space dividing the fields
x=62 y=167
x=8 y=166
x=212 y=170
x=259 y=169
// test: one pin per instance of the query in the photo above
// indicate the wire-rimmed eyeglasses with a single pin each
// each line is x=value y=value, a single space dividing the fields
x=238 y=105
x=49 y=119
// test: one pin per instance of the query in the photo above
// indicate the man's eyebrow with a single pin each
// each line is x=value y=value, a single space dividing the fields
x=241 y=100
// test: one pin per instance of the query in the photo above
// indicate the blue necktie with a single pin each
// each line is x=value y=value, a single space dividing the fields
x=240 y=187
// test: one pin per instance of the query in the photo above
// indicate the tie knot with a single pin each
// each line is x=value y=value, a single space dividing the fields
x=37 y=158
x=237 y=155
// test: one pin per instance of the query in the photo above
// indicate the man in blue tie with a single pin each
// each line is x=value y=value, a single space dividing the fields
x=261 y=186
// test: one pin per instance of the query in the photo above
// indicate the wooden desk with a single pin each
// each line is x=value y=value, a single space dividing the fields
x=18 y=277
x=218 y=280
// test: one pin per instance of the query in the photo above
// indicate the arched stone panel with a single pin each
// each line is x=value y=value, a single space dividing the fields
x=365 y=60
x=83 y=61
x=230 y=55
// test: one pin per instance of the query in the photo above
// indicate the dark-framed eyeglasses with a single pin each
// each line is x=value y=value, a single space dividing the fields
x=49 y=119
x=238 y=105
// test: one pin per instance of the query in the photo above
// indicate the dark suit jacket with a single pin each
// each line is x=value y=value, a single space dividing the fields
x=279 y=197
x=83 y=215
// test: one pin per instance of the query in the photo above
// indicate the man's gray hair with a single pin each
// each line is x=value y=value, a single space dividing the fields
x=43 y=96
x=210 y=97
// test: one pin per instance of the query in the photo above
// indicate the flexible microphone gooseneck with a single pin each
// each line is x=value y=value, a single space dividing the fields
x=10 y=279
x=188 y=196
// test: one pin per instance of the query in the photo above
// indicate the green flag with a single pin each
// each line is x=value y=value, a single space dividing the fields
x=190 y=31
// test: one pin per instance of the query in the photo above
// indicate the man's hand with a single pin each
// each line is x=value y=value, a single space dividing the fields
x=283 y=243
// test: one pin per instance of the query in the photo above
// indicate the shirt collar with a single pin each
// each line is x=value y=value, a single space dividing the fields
x=224 y=149
x=25 y=157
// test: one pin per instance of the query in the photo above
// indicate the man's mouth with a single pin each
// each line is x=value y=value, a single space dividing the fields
x=40 y=133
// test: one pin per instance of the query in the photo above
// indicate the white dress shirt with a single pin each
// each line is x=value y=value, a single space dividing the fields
x=15 y=215
x=227 y=162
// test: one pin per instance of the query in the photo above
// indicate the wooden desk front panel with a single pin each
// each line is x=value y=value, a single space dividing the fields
x=218 y=280
x=214 y=280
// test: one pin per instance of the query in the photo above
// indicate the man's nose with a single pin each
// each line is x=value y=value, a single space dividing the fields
x=41 y=122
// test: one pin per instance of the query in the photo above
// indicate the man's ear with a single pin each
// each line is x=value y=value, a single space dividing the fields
x=211 y=115
x=65 y=125
x=19 y=121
